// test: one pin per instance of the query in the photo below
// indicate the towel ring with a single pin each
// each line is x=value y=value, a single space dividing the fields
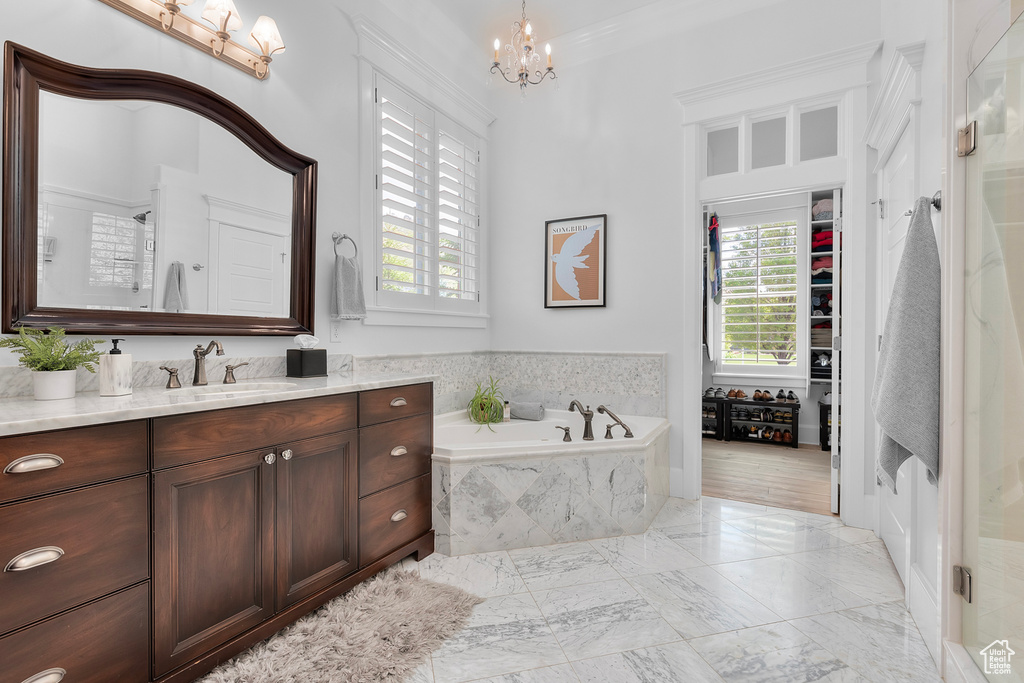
x=339 y=238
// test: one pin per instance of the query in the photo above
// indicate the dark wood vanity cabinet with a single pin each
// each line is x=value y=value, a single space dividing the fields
x=186 y=539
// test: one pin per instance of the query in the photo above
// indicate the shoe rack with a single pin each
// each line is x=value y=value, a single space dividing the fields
x=712 y=421
x=759 y=421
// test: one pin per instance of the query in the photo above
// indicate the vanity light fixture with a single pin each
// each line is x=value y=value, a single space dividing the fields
x=166 y=16
x=522 y=62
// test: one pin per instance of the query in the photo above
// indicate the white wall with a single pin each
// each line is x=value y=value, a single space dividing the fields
x=309 y=103
x=610 y=140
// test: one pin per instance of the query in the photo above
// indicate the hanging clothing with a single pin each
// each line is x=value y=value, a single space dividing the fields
x=714 y=259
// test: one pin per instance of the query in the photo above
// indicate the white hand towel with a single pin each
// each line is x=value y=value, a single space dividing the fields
x=906 y=393
x=347 y=301
x=176 y=296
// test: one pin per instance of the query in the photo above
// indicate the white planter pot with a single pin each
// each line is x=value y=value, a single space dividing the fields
x=50 y=386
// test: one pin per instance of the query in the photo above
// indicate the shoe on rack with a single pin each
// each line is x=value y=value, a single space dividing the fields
x=781 y=396
x=787 y=436
x=709 y=392
x=731 y=394
x=720 y=393
x=777 y=436
x=791 y=397
x=752 y=432
x=740 y=393
x=827 y=398
x=767 y=395
x=757 y=395
x=768 y=433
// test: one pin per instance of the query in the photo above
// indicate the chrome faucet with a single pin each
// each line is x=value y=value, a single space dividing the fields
x=588 y=417
x=608 y=428
x=199 y=376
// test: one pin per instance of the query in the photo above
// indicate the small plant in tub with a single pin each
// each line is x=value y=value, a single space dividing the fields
x=53 y=359
x=488 y=404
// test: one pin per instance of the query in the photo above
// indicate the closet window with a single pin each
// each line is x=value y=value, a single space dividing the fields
x=428 y=200
x=759 y=309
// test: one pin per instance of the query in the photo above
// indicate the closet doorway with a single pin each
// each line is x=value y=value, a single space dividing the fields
x=771 y=311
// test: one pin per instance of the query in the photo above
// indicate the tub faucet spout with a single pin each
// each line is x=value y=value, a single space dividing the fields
x=588 y=418
x=608 y=429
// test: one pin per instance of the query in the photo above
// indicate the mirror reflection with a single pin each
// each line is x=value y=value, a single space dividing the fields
x=157 y=209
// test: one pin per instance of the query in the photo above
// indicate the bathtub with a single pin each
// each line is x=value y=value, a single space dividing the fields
x=518 y=484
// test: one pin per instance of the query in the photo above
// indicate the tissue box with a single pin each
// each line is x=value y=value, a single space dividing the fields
x=307 y=362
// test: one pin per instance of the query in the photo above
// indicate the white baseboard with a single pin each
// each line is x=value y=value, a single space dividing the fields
x=958 y=667
x=924 y=608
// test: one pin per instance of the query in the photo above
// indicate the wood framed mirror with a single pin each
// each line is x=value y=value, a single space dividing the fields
x=136 y=202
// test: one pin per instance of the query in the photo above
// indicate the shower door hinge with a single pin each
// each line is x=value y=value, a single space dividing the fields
x=967 y=139
x=962 y=582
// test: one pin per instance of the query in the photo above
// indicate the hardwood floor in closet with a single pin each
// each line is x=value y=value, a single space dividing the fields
x=792 y=478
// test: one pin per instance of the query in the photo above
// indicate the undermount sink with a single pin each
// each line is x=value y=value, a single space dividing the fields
x=241 y=388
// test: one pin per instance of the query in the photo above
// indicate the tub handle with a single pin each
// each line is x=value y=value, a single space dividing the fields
x=399 y=516
x=398 y=450
x=398 y=402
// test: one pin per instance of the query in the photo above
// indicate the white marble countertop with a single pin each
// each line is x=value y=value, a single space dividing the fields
x=24 y=415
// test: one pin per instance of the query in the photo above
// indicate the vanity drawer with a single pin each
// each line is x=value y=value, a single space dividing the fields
x=103 y=533
x=382 y=405
x=382 y=528
x=70 y=458
x=105 y=641
x=182 y=439
x=394 y=452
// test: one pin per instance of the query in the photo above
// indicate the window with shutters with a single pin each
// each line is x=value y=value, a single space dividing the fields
x=760 y=315
x=428 y=199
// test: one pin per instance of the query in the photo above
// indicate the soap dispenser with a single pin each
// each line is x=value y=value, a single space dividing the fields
x=115 y=372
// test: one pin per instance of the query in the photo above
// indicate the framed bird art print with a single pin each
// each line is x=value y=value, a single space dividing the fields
x=575 y=261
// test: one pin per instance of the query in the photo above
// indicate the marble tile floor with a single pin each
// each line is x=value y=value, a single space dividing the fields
x=715 y=590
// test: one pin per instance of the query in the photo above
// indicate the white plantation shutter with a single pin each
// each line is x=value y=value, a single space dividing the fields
x=429 y=201
x=759 y=310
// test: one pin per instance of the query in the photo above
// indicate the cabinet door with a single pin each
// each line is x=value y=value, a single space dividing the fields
x=213 y=554
x=317 y=508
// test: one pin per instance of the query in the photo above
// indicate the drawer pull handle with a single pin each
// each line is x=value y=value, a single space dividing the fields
x=270 y=458
x=398 y=402
x=287 y=454
x=398 y=450
x=30 y=559
x=55 y=675
x=32 y=463
x=399 y=516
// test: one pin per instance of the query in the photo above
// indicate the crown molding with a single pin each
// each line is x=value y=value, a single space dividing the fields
x=812 y=66
x=372 y=38
x=899 y=93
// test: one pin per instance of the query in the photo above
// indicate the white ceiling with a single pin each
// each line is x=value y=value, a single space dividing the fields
x=484 y=20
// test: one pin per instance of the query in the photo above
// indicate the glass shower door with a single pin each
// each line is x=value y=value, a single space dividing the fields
x=993 y=622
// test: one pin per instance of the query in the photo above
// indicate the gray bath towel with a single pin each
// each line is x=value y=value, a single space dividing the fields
x=176 y=296
x=526 y=411
x=905 y=399
x=347 y=301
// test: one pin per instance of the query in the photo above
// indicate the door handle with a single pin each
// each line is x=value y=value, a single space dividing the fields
x=287 y=454
x=270 y=458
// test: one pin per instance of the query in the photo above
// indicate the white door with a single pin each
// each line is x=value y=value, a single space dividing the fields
x=251 y=272
x=896 y=185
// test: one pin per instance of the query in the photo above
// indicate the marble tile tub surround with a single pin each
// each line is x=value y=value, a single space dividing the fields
x=647 y=608
x=628 y=383
x=17 y=381
x=525 y=502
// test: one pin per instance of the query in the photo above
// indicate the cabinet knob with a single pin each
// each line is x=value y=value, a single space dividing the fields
x=54 y=675
x=270 y=458
x=287 y=454
x=398 y=402
x=399 y=516
x=37 y=557
x=398 y=450
x=34 y=462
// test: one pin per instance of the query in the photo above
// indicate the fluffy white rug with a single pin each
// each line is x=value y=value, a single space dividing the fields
x=379 y=631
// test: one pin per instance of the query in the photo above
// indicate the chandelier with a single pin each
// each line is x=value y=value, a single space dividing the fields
x=522 y=62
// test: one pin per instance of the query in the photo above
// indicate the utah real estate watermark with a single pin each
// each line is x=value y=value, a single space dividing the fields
x=997 y=657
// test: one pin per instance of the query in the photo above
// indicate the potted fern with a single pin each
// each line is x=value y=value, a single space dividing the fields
x=53 y=360
x=488 y=404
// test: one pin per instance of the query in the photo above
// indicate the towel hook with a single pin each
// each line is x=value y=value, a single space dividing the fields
x=339 y=238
